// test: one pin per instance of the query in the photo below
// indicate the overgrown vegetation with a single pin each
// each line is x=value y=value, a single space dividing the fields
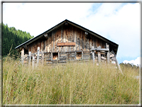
x=72 y=83
x=12 y=38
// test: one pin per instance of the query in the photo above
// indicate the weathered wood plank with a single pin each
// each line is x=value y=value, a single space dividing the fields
x=61 y=34
x=29 y=58
x=22 y=55
x=53 y=39
x=72 y=38
x=99 y=57
x=84 y=42
x=38 y=50
x=75 y=38
x=93 y=56
x=33 y=61
x=87 y=43
x=108 y=54
x=103 y=58
x=66 y=44
x=50 y=43
x=46 y=35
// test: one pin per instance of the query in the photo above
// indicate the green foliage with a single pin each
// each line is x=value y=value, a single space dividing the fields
x=72 y=83
x=12 y=38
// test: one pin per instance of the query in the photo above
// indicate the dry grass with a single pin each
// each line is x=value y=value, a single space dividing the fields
x=72 y=83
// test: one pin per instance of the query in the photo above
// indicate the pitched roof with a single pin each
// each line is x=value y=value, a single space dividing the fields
x=73 y=24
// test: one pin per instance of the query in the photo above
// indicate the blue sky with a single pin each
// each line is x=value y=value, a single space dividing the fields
x=118 y=22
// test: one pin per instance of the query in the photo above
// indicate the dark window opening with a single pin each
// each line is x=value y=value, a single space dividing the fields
x=78 y=55
x=25 y=51
x=55 y=56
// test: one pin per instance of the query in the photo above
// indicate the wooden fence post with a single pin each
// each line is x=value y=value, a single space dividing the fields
x=99 y=57
x=118 y=66
x=82 y=54
x=22 y=56
x=42 y=58
x=38 y=49
x=33 y=61
x=51 y=56
x=108 y=54
x=93 y=57
x=58 y=56
x=29 y=58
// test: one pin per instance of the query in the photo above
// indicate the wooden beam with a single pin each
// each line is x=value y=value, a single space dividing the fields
x=42 y=57
x=66 y=23
x=82 y=54
x=108 y=57
x=45 y=46
x=33 y=61
x=75 y=40
x=46 y=36
x=29 y=58
x=108 y=53
x=103 y=58
x=62 y=34
x=107 y=45
x=22 y=55
x=25 y=46
x=118 y=66
x=93 y=56
x=86 y=33
x=99 y=57
x=58 y=56
x=66 y=44
x=38 y=49
x=99 y=49
x=112 y=55
x=51 y=56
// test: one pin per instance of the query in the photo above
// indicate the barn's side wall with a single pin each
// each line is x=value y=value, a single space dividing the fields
x=66 y=33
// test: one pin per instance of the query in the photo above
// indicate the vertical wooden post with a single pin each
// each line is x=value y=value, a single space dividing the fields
x=99 y=57
x=75 y=40
x=42 y=57
x=62 y=34
x=51 y=56
x=82 y=54
x=108 y=54
x=108 y=57
x=69 y=48
x=29 y=58
x=58 y=56
x=38 y=49
x=93 y=56
x=33 y=61
x=45 y=46
x=118 y=66
x=75 y=55
x=22 y=55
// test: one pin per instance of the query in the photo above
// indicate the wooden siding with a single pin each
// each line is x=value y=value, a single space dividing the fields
x=66 y=34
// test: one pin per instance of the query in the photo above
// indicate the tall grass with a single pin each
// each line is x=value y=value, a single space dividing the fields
x=71 y=83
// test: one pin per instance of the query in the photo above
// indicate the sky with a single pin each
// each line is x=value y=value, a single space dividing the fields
x=118 y=22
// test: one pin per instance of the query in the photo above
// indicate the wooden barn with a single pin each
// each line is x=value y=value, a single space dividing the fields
x=68 y=41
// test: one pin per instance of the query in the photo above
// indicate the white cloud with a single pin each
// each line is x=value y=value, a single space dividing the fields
x=135 y=62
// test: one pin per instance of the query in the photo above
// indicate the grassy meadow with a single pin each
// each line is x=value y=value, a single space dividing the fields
x=71 y=83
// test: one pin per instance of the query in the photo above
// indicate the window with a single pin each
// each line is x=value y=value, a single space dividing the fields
x=55 y=56
x=78 y=55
